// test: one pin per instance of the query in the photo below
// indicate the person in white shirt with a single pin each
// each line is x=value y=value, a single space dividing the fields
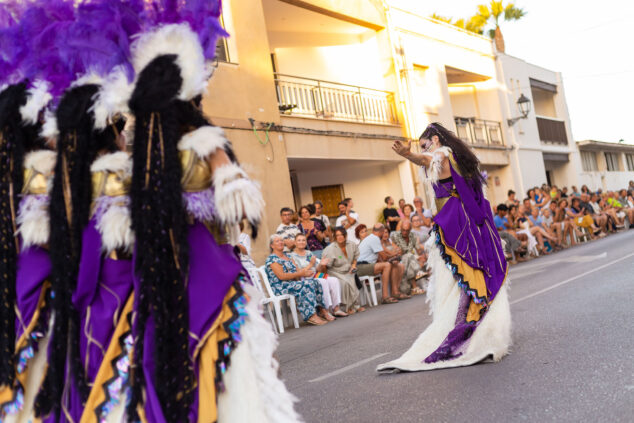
x=424 y=214
x=374 y=260
x=244 y=245
x=319 y=209
x=287 y=230
x=348 y=219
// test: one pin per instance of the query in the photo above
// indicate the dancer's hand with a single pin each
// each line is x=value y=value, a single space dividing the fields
x=402 y=149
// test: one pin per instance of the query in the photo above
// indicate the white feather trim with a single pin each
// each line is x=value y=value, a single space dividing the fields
x=115 y=227
x=113 y=162
x=180 y=40
x=492 y=338
x=203 y=141
x=37 y=98
x=236 y=196
x=42 y=161
x=49 y=128
x=112 y=98
x=254 y=393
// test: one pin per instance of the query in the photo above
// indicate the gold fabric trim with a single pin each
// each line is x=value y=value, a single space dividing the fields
x=97 y=394
x=6 y=392
x=196 y=172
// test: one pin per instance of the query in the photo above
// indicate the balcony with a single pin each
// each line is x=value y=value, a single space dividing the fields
x=552 y=130
x=479 y=132
x=313 y=98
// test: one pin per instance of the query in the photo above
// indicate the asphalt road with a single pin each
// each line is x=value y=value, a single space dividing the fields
x=572 y=358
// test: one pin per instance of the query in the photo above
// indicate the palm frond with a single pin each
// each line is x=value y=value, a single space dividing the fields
x=460 y=23
x=441 y=18
x=476 y=24
x=496 y=9
x=483 y=10
x=513 y=13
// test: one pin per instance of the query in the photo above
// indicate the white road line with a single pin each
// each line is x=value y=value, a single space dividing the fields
x=574 y=278
x=350 y=367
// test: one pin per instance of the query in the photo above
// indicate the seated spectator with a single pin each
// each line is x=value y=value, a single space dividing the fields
x=319 y=210
x=548 y=222
x=542 y=199
x=619 y=208
x=413 y=258
x=401 y=203
x=424 y=214
x=361 y=232
x=575 y=193
x=537 y=220
x=244 y=245
x=342 y=256
x=527 y=203
x=285 y=278
x=511 y=243
x=390 y=214
x=313 y=229
x=537 y=231
x=565 y=223
x=329 y=284
x=373 y=260
x=520 y=226
x=594 y=210
x=408 y=210
x=420 y=231
x=510 y=199
x=581 y=218
x=348 y=219
x=287 y=230
x=564 y=192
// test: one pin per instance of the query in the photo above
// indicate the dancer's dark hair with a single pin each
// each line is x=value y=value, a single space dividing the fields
x=159 y=221
x=16 y=138
x=466 y=159
x=77 y=147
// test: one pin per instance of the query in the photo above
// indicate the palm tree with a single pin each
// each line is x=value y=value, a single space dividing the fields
x=492 y=13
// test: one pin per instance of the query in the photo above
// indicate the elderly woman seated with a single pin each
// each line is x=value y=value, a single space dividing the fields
x=286 y=278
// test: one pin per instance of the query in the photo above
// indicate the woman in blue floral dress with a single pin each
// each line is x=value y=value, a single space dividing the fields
x=285 y=278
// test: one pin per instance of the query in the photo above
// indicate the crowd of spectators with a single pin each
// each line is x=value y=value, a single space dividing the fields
x=321 y=263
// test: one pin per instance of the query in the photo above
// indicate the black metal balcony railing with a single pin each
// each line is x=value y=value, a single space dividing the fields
x=552 y=130
x=299 y=96
x=479 y=132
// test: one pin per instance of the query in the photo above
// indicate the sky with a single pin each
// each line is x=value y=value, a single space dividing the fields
x=590 y=42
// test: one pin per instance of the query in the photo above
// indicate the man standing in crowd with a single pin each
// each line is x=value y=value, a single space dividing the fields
x=390 y=214
x=420 y=211
x=319 y=209
x=348 y=218
x=287 y=230
x=373 y=260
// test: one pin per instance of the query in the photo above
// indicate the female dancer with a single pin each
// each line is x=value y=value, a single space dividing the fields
x=468 y=296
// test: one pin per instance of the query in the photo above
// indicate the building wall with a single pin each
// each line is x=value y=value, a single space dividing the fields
x=366 y=183
x=245 y=89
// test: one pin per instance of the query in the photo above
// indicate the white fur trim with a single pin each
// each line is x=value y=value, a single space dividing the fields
x=112 y=98
x=33 y=222
x=113 y=162
x=435 y=166
x=42 y=161
x=180 y=40
x=37 y=98
x=90 y=78
x=115 y=228
x=491 y=338
x=203 y=141
x=236 y=196
x=49 y=129
x=254 y=393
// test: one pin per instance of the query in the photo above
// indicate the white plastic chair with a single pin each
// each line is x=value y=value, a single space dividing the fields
x=266 y=302
x=370 y=281
x=277 y=300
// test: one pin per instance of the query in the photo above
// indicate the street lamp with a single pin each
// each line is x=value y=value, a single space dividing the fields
x=524 y=106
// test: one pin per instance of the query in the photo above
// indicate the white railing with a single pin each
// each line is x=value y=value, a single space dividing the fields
x=330 y=100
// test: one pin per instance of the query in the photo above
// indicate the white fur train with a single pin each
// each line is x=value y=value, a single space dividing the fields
x=492 y=338
x=179 y=40
x=37 y=98
x=113 y=162
x=236 y=196
x=254 y=393
x=203 y=141
x=42 y=161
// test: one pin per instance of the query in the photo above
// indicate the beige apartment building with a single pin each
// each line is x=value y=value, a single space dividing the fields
x=312 y=93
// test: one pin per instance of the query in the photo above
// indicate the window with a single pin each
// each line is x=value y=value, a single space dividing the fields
x=612 y=162
x=589 y=161
x=330 y=196
x=629 y=159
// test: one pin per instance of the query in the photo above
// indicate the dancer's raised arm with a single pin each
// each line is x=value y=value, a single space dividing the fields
x=404 y=150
